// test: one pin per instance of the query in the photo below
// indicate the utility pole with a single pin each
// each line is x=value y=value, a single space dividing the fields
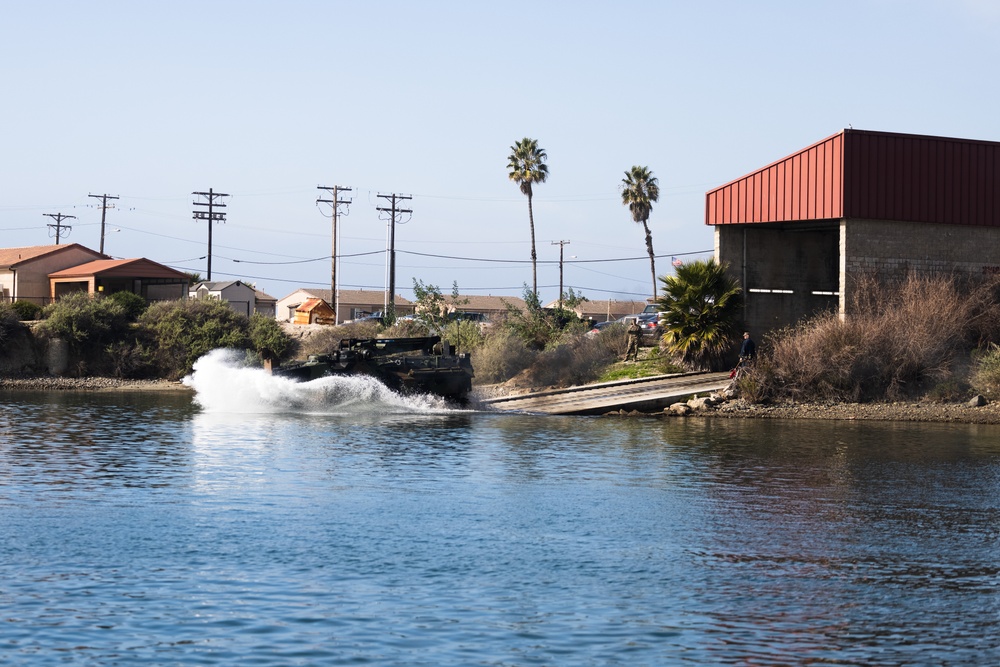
x=59 y=217
x=335 y=203
x=104 y=209
x=211 y=215
x=560 y=244
x=390 y=304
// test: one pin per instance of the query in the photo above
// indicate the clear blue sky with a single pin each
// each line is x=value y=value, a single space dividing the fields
x=152 y=101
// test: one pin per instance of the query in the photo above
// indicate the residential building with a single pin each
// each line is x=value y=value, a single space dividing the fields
x=353 y=303
x=241 y=297
x=150 y=280
x=24 y=272
x=603 y=310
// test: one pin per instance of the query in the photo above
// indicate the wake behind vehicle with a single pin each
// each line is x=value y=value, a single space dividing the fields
x=407 y=365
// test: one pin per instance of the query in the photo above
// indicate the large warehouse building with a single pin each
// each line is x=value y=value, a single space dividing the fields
x=798 y=233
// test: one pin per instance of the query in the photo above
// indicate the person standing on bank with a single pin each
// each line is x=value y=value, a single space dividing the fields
x=748 y=350
x=634 y=332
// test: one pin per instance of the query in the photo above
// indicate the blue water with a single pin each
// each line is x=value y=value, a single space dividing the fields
x=263 y=524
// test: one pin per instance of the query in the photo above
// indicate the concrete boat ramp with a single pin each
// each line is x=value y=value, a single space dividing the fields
x=645 y=395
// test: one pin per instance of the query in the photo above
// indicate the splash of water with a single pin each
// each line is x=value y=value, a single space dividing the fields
x=225 y=384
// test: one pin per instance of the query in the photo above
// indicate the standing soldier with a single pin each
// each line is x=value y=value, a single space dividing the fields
x=634 y=332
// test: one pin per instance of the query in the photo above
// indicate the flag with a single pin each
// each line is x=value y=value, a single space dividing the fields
x=676 y=262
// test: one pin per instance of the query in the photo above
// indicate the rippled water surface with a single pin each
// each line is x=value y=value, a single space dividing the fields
x=339 y=525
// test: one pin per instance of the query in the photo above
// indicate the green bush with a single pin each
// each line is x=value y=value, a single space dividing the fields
x=986 y=376
x=269 y=340
x=86 y=323
x=180 y=332
x=10 y=322
x=26 y=310
x=133 y=304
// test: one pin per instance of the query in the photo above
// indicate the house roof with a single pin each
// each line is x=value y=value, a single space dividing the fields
x=14 y=257
x=126 y=268
x=262 y=296
x=217 y=286
x=488 y=302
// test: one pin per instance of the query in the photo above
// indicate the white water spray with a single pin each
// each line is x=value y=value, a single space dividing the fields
x=224 y=384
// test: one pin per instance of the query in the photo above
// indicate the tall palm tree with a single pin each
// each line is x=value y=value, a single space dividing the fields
x=699 y=310
x=639 y=190
x=526 y=163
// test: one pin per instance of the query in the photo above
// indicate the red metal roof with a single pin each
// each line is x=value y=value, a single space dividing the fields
x=869 y=175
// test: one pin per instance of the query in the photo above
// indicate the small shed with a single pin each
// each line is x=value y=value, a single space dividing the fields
x=314 y=311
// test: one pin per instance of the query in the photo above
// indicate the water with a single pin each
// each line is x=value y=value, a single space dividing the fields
x=334 y=523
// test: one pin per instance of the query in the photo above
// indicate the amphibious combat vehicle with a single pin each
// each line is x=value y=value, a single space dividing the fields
x=408 y=365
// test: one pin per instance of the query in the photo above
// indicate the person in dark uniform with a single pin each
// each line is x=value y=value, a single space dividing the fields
x=748 y=350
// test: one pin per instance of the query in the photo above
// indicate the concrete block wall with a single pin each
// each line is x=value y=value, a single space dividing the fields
x=891 y=249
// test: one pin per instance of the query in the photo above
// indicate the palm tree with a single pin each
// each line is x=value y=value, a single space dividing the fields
x=526 y=163
x=700 y=307
x=639 y=190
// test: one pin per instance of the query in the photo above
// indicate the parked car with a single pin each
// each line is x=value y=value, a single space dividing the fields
x=374 y=317
x=600 y=326
x=650 y=324
x=479 y=318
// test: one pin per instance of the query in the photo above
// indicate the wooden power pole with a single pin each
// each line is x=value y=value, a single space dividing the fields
x=59 y=226
x=104 y=210
x=390 y=304
x=212 y=201
x=335 y=201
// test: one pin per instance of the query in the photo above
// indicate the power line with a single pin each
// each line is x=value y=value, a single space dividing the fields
x=528 y=261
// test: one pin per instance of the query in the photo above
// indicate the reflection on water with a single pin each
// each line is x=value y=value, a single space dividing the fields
x=150 y=529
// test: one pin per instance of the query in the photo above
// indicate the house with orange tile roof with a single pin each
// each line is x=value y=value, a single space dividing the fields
x=24 y=272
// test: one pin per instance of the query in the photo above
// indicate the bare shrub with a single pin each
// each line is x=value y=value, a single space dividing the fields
x=328 y=339
x=896 y=338
x=406 y=329
x=502 y=355
x=576 y=361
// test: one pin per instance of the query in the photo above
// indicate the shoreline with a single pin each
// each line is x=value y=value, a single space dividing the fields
x=912 y=411
x=52 y=383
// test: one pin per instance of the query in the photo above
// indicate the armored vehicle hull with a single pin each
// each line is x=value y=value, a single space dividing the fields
x=423 y=365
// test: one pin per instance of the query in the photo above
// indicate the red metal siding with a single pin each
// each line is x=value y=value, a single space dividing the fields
x=871 y=175
x=803 y=186
x=921 y=179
